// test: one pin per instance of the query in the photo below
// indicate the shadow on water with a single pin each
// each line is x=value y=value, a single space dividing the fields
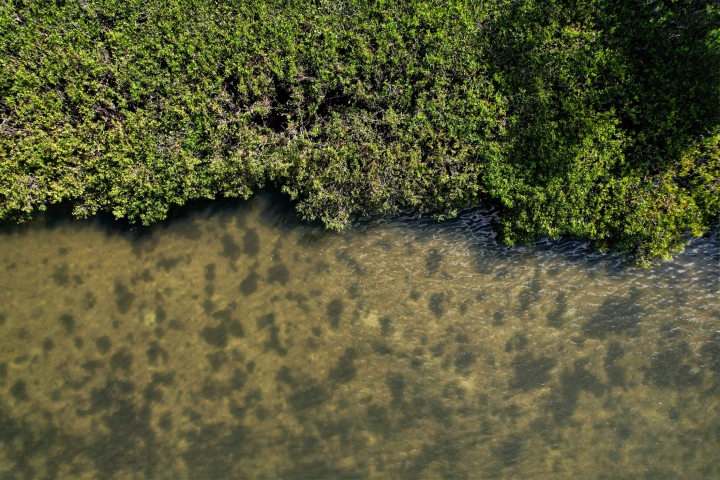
x=279 y=211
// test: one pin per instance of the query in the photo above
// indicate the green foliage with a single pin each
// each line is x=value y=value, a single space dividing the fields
x=597 y=119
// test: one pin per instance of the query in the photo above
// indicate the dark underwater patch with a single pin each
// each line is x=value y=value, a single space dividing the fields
x=464 y=306
x=311 y=395
x=103 y=344
x=436 y=304
x=155 y=352
x=284 y=375
x=210 y=272
x=208 y=306
x=92 y=365
x=124 y=298
x=464 y=359
x=90 y=300
x=669 y=331
x=433 y=260
x=250 y=283
x=68 y=323
x=19 y=391
x=321 y=267
x=342 y=428
x=517 y=342
x=396 y=384
x=231 y=250
x=345 y=370
x=216 y=449
x=615 y=374
x=572 y=382
x=453 y=391
x=437 y=350
x=273 y=342
x=160 y=314
x=529 y=295
x=616 y=316
x=556 y=317
x=531 y=372
x=146 y=276
x=235 y=329
x=216 y=360
x=386 y=327
x=48 y=344
x=61 y=275
x=191 y=230
x=439 y=413
x=344 y=257
x=265 y=320
x=165 y=422
x=508 y=450
x=443 y=451
x=223 y=315
x=212 y=390
x=299 y=299
x=377 y=420
x=122 y=359
x=216 y=336
x=251 y=242
x=668 y=369
x=335 y=310
x=278 y=274
x=381 y=349
x=237 y=381
x=167 y=263
x=710 y=354
x=305 y=469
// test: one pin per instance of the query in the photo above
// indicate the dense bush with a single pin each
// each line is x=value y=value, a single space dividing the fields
x=598 y=119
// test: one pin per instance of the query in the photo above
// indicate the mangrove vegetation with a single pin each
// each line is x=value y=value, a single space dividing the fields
x=596 y=119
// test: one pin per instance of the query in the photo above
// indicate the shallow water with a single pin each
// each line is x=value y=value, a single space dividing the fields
x=244 y=343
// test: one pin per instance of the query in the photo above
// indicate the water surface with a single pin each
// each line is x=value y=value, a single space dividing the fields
x=240 y=342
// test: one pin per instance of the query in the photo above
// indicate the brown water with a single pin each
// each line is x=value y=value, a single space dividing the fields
x=244 y=343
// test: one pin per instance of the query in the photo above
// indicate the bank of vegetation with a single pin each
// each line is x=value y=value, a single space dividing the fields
x=596 y=119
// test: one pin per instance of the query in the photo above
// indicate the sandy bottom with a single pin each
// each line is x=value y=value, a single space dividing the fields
x=243 y=343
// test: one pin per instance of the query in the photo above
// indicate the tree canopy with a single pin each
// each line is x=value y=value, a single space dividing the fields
x=596 y=119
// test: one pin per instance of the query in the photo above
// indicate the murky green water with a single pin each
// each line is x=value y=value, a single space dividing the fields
x=243 y=343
